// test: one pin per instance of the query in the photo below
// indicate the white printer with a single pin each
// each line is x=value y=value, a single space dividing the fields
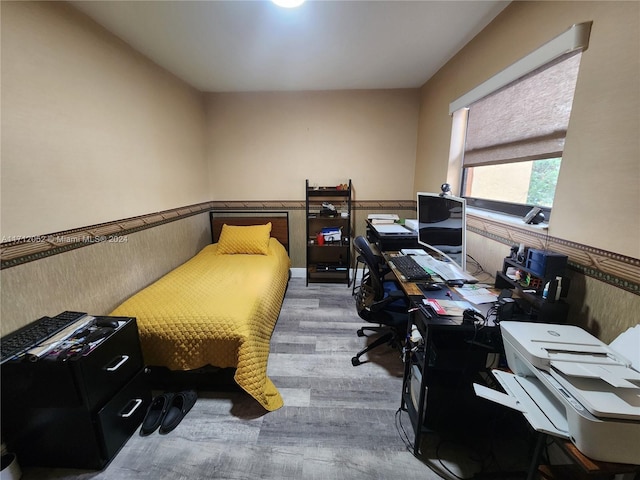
x=570 y=384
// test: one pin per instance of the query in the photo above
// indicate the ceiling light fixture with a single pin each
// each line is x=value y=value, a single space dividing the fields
x=288 y=3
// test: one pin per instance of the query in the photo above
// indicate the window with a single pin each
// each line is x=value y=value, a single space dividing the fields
x=515 y=126
x=530 y=183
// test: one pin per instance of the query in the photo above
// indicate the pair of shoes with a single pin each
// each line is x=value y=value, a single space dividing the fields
x=155 y=414
x=167 y=411
x=178 y=408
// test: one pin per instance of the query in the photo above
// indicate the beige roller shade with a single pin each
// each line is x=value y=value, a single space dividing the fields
x=526 y=120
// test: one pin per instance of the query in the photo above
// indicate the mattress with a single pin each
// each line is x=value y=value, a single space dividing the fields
x=217 y=310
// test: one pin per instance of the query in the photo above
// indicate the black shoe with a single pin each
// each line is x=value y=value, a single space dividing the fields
x=156 y=413
x=179 y=407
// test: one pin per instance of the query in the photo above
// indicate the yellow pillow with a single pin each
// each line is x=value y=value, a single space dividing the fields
x=251 y=239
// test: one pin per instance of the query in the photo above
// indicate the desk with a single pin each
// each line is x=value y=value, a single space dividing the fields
x=439 y=373
x=415 y=293
x=440 y=370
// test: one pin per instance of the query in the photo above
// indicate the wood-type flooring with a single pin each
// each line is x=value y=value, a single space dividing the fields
x=338 y=421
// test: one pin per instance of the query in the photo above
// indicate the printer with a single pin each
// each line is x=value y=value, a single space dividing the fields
x=569 y=384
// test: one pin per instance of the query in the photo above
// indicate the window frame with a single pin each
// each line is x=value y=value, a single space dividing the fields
x=514 y=209
x=575 y=39
x=508 y=208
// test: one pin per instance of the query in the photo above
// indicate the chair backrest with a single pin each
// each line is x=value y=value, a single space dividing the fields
x=371 y=288
x=375 y=301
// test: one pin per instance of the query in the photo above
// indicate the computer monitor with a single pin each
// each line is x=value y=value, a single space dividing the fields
x=442 y=225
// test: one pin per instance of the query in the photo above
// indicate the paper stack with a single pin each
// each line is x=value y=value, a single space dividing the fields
x=383 y=218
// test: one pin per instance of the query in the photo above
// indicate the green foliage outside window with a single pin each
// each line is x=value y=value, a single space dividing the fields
x=544 y=178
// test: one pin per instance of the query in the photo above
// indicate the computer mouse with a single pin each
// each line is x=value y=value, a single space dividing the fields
x=432 y=287
x=106 y=322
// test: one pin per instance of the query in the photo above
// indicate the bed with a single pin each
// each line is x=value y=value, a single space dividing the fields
x=220 y=307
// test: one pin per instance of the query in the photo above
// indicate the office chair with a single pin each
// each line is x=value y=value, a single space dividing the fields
x=383 y=268
x=379 y=301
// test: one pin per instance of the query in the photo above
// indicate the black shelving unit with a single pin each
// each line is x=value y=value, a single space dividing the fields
x=533 y=306
x=329 y=256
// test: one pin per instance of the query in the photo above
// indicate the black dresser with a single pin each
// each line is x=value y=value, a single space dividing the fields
x=76 y=412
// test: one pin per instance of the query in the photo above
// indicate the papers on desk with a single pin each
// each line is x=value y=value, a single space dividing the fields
x=449 y=308
x=413 y=251
x=476 y=295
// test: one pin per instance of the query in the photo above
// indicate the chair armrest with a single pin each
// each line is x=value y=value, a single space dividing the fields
x=390 y=298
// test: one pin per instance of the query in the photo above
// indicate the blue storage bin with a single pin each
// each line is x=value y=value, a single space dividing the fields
x=545 y=264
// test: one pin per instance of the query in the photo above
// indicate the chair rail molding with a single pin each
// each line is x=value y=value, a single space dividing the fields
x=612 y=268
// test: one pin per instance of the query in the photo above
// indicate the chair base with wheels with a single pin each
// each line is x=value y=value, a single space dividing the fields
x=391 y=334
x=387 y=338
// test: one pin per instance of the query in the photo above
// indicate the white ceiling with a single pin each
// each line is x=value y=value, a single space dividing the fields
x=225 y=46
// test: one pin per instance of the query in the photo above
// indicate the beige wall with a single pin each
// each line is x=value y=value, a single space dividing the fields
x=91 y=130
x=98 y=277
x=262 y=146
x=598 y=193
x=94 y=132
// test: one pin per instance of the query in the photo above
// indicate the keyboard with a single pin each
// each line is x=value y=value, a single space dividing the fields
x=409 y=268
x=445 y=270
x=35 y=333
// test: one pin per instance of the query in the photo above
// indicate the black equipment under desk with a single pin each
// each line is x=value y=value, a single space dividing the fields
x=440 y=368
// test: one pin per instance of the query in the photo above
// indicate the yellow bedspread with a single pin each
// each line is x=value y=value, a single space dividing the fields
x=215 y=310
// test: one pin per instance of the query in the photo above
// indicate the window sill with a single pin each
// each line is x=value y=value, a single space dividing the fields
x=507 y=219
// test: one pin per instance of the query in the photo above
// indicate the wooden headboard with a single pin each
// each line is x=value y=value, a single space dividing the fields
x=279 y=226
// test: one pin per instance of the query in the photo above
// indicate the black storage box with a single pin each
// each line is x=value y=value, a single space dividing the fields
x=545 y=264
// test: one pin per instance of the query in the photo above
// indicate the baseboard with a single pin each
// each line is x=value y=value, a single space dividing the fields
x=298 y=272
x=301 y=273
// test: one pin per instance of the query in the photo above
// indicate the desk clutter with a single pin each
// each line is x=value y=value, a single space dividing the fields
x=539 y=283
x=418 y=267
x=463 y=343
x=389 y=235
x=66 y=336
x=75 y=377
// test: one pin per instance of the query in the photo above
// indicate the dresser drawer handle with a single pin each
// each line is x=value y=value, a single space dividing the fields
x=122 y=361
x=136 y=404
